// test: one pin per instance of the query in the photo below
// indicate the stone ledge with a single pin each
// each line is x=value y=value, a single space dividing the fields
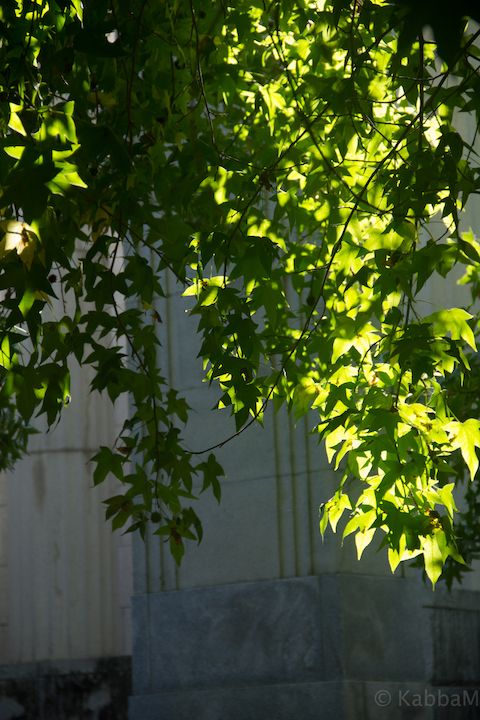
x=343 y=700
x=305 y=701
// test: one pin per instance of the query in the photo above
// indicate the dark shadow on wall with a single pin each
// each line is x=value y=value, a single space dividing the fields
x=96 y=689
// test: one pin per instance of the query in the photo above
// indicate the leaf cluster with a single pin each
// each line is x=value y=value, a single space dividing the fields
x=300 y=174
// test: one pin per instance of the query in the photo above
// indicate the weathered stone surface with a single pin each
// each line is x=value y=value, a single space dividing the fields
x=239 y=634
x=455 y=629
x=66 y=690
x=385 y=626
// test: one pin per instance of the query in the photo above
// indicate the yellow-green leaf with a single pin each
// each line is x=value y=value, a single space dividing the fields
x=466 y=437
x=433 y=557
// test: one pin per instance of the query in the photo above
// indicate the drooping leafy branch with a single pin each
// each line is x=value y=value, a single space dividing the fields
x=301 y=173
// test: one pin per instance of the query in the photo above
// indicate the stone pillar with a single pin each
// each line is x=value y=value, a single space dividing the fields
x=263 y=621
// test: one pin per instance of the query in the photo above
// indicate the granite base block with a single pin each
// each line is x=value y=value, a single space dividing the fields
x=334 y=646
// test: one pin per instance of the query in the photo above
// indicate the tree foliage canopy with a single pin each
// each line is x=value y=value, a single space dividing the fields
x=300 y=170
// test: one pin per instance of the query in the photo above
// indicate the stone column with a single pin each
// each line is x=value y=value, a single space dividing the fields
x=263 y=620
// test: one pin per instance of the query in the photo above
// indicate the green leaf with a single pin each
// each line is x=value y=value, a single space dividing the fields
x=334 y=509
x=454 y=322
x=433 y=556
x=106 y=462
x=363 y=539
x=177 y=548
x=212 y=471
x=466 y=437
x=143 y=156
x=78 y=7
x=5 y=353
x=14 y=122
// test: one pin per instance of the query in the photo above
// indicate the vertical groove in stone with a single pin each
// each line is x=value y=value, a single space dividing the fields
x=3 y=565
x=163 y=575
x=139 y=566
x=294 y=489
x=286 y=511
x=279 y=528
x=310 y=505
x=172 y=381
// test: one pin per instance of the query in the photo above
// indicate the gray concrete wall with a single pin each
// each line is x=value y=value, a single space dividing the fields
x=65 y=577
